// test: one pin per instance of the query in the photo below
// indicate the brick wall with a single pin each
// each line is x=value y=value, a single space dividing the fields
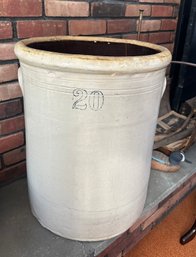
x=29 y=18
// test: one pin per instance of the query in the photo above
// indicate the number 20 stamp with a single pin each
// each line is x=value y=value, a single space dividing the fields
x=83 y=100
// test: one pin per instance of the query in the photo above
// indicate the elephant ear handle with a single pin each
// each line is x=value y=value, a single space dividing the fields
x=20 y=80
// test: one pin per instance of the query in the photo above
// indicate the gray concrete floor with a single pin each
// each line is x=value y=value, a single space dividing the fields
x=22 y=236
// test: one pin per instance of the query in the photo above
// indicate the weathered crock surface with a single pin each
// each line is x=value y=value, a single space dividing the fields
x=90 y=121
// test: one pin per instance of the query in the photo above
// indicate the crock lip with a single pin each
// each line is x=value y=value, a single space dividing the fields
x=92 y=63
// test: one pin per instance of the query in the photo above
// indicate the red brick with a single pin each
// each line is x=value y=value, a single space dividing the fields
x=160 y=37
x=169 y=46
x=162 y=11
x=5 y=29
x=172 y=1
x=12 y=173
x=41 y=28
x=104 y=9
x=134 y=9
x=67 y=8
x=10 y=142
x=151 y=1
x=10 y=91
x=143 y=36
x=121 y=26
x=168 y=24
x=20 y=8
x=8 y=72
x=7 y=51
x=176 y=10
x=130 y=36
x=150 y=25
x=172 y=38
x=10 y=108
x=87 y=27
x=11 y=125
x=14 y=156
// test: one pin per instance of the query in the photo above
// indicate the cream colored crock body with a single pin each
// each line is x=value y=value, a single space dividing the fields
x=90 y=124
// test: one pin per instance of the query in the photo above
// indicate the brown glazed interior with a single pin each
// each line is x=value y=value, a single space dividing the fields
x=96 y=48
